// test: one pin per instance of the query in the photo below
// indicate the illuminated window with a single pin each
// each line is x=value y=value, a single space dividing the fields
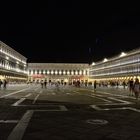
x=56 y=72
x=60 y=72
x=64 y=72
x=68 y=72
x=52 y=72
x=72 y=73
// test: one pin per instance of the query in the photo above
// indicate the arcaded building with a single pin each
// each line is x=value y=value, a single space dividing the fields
x=122 y=67
x=13 y=65
x=61 y=72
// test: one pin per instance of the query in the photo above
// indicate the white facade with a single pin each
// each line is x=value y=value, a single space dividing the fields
x=13 y=65
x=57 y=71
x=123 y=66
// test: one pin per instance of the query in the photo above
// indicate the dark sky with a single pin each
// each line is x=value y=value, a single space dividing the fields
x=69 y=31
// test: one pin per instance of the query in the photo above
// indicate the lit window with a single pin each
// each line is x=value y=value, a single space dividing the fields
x=72 y=73
x=7 y=57
x=52 y=72
x=56 y=72
x=60 y=72
x=68 y=72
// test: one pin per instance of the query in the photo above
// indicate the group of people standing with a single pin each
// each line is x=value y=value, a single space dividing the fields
x=134 y=87
x=43 y=83
x=4 y=83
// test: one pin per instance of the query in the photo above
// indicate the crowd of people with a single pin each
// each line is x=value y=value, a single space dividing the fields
x=133 y=84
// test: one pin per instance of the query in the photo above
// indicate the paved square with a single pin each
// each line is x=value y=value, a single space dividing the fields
x=30 y=112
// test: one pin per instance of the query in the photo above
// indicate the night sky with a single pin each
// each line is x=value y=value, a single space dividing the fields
x=63 y=31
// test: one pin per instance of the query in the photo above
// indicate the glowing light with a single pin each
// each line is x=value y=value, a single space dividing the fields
x=84 y=72
x=52 y=72
x=40 y=72
x=7 y=57
x=72 y=73
x=123 y=54
x=105 y=60
x=64 y=72
x=93 y=63
x=60 y=72
x=68 y=72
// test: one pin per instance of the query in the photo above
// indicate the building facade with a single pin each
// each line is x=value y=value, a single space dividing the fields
x=53 y=72
x=13 y=65
x=122 y=67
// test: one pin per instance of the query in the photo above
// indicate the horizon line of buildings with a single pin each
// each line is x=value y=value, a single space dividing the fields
x=14 y=67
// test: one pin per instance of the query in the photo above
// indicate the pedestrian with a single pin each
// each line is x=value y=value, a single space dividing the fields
x=130 y=83
x=0 y=83
x=42 y=83
x=124 y=84
x=45 y=84
x=4 y=84
x=136 y=88
x=95 y=83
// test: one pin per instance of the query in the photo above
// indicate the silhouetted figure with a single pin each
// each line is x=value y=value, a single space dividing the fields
x=0 y=83
x=124 y=84
x=95 y=83
x=136 y=88
x=4 y=84
x=45 y=84
x=131 y=82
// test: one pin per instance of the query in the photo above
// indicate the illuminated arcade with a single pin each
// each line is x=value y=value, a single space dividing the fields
x=13 y=66
x=119 y=68
x=61 y=72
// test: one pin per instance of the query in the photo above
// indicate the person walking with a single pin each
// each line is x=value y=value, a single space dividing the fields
x=42 y=83
x=45 y=84
x=136 y=88
x=95 y=84
x=4 y=84
x=130 y=83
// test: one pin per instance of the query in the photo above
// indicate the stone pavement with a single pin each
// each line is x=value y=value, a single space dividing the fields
x=68 y=114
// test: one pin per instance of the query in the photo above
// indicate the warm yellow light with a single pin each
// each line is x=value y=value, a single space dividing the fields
x=72 y=73
x=84 y=72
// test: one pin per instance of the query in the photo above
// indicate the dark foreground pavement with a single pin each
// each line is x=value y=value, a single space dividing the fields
x=43 y=115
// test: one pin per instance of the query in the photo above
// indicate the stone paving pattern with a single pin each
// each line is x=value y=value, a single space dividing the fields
x=123 y=124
